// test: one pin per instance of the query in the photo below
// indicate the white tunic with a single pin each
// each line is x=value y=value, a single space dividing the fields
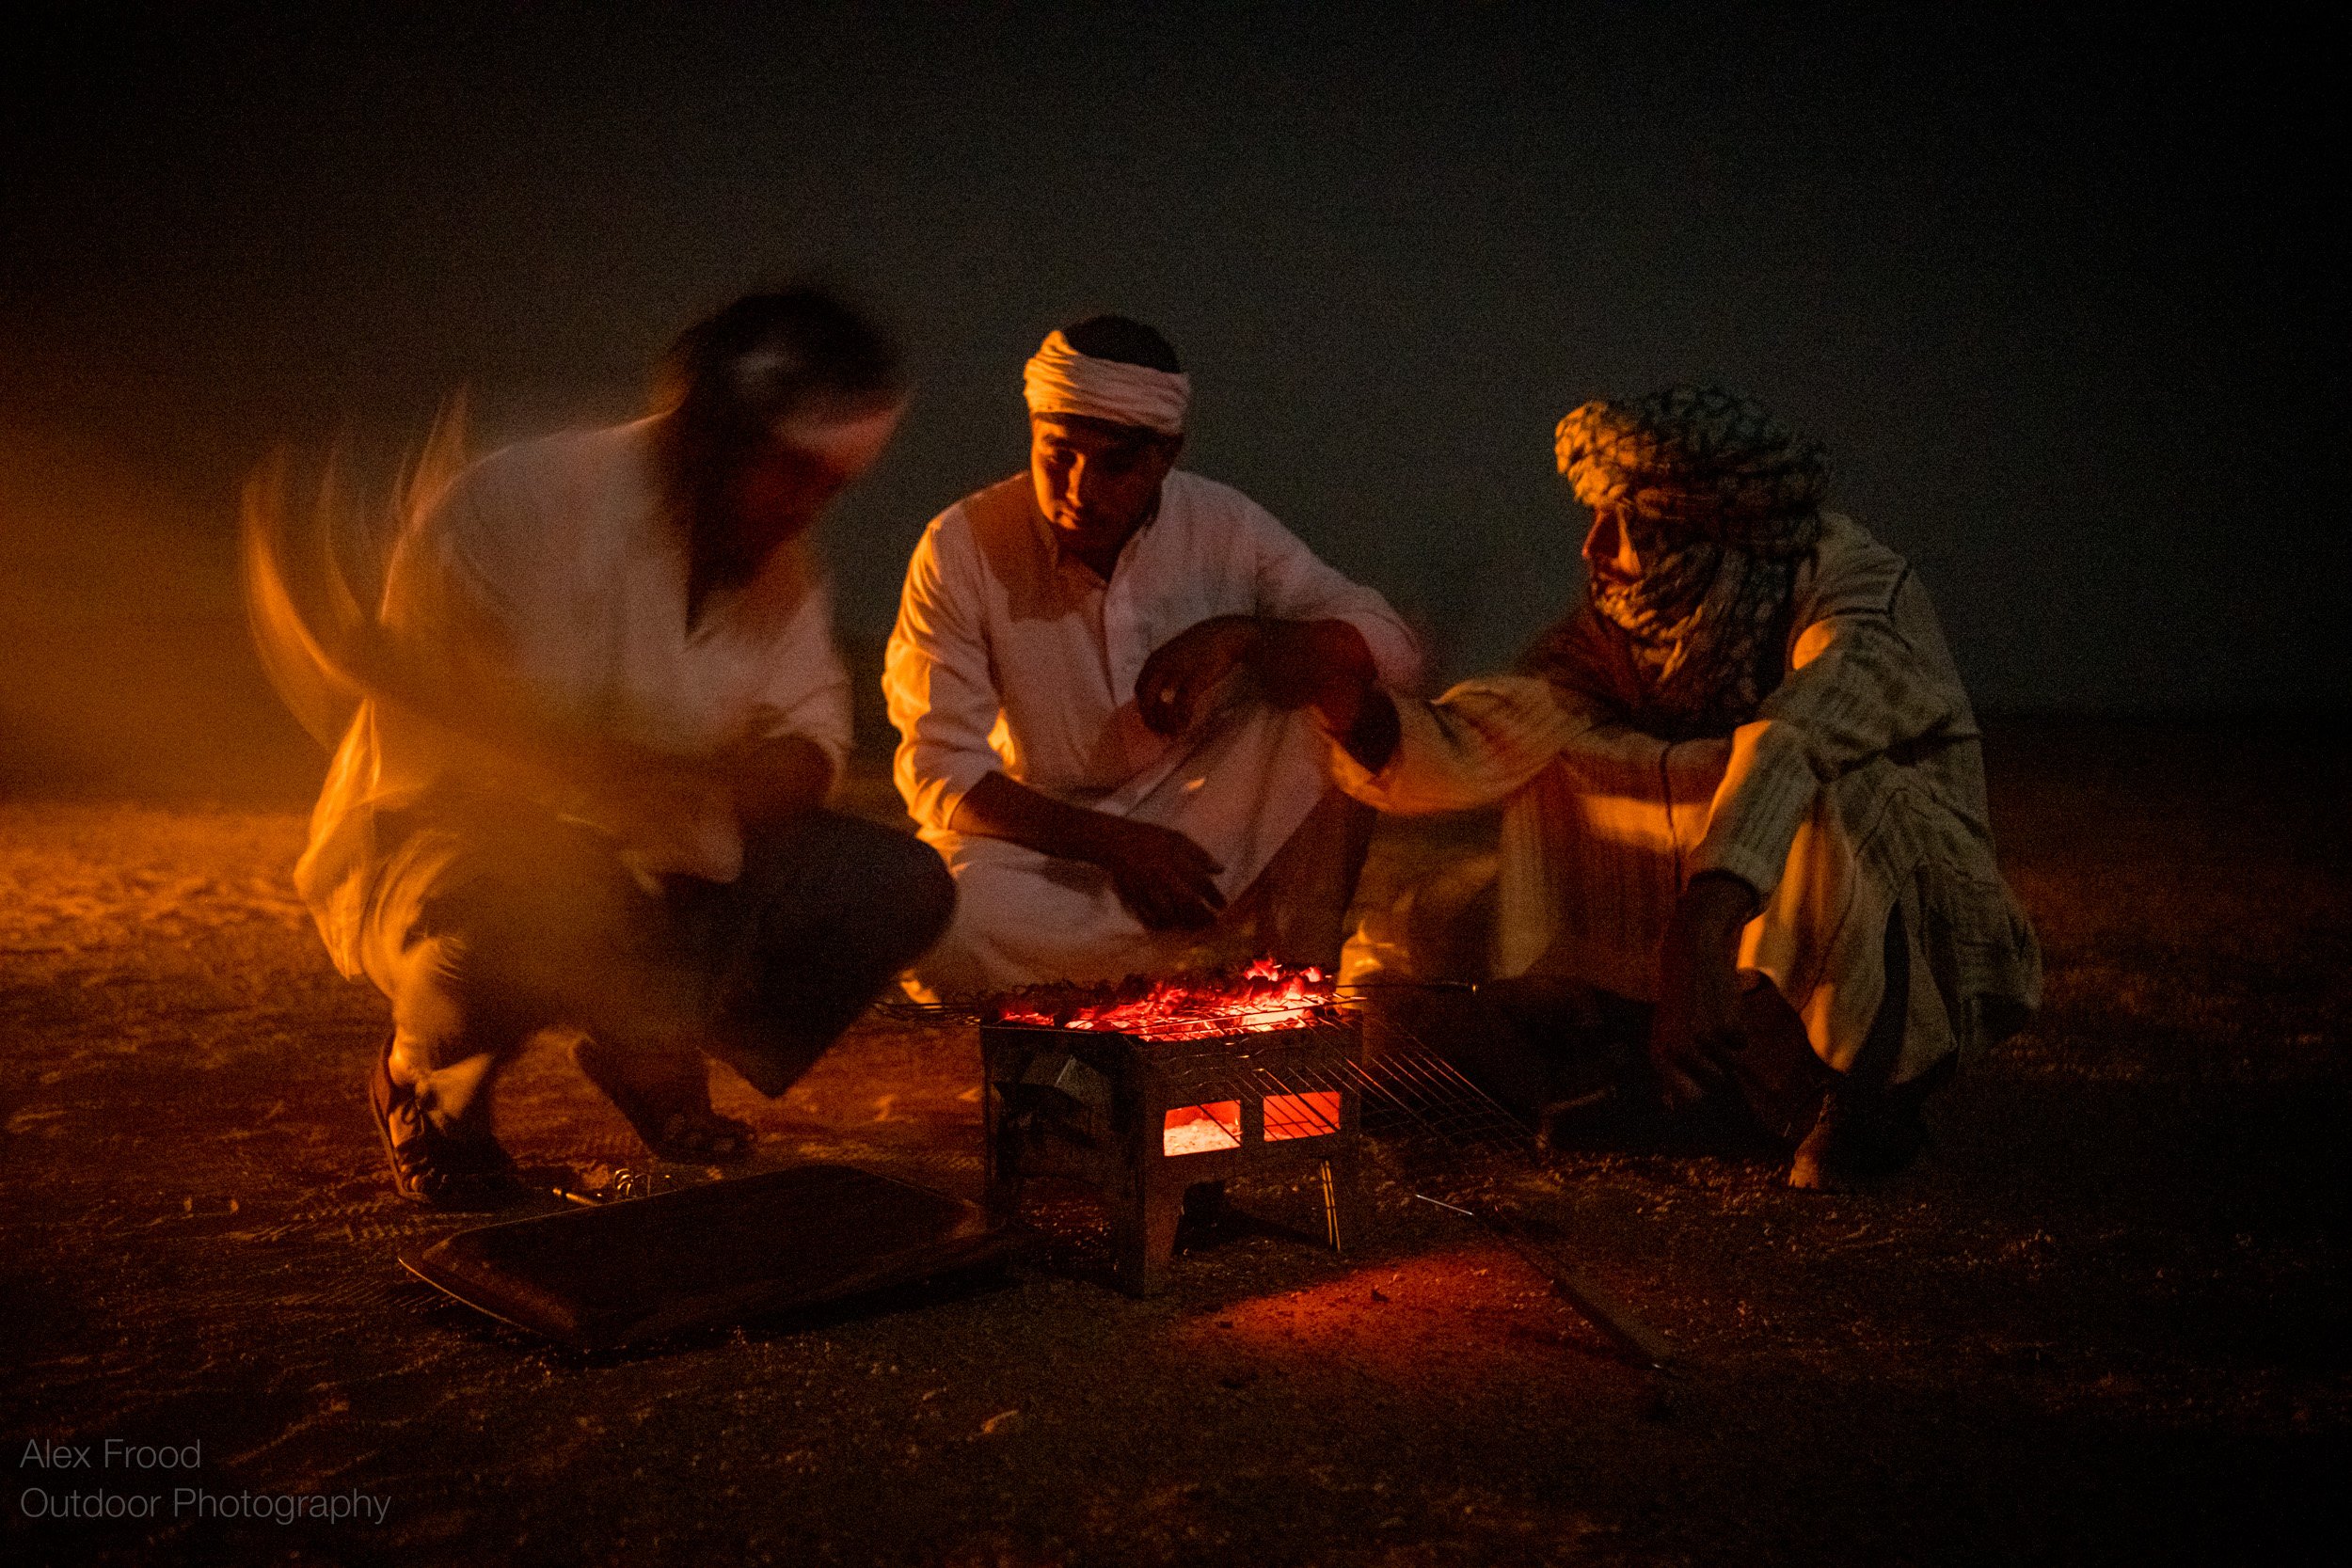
x=1011 y=656
x=549 y=568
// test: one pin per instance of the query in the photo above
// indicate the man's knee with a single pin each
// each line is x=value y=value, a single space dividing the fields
x=479 y=941
x=448 y=1006
x=919 y=889
x=887 y=885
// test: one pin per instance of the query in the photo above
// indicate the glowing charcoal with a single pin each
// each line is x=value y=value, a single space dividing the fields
x=1198 y=1129
x=1301 y=1115
x=1262 y=996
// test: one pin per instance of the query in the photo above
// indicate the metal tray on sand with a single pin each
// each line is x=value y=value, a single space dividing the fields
x=594 y=1278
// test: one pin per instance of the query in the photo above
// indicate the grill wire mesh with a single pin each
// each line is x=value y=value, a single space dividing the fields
x=1414 y=1100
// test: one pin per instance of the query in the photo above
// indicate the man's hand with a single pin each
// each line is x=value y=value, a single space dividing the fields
x=1167 y=881
x=1296 y=663
x=1699 y=1001
x=1183 y=671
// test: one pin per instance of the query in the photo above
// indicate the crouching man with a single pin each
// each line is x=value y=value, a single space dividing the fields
x=1740 y=782
x=583 y=791
x=1097 y=676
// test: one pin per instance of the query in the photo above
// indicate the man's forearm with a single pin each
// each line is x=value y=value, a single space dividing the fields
x=1301 y=663
x=1336 y=674
x=1002 y=807
x=1366 y=725
x=1715 y=906
x=1328 y=666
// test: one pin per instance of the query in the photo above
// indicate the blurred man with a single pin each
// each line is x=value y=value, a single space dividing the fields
x=602 y=710
x=1096 y=678
x=1741 y=783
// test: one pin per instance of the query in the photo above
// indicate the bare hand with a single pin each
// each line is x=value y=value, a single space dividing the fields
x=1167 y=881
x=1183 y=671
x=1697 y=1019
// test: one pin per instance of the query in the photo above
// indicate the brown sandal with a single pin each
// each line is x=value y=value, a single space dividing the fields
x=675 y=1118
x=430 y=1167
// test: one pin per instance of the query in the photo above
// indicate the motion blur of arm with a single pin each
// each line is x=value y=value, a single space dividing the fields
x=1480 y=743
x=449 y=649
x=666 y=814
x=1296 y=663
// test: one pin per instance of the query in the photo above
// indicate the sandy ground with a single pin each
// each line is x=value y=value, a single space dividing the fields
x=2104 y=1319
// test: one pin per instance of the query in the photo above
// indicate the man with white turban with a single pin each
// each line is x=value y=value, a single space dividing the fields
x=1098 y=677
x=1742 y=787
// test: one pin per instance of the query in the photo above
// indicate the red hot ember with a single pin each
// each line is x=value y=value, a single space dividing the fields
x=1151 y=1089
x=1262 y=996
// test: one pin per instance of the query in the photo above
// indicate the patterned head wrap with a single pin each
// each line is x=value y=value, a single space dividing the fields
x=1721 y=502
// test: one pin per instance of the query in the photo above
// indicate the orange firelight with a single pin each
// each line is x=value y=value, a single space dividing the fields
x=1199 y=1129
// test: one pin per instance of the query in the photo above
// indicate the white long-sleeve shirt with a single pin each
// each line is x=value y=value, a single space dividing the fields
x=549 y=568
x=1011 y=656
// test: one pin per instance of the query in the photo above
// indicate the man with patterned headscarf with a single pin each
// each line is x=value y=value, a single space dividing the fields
x=1742 y=787
x=1098 y=674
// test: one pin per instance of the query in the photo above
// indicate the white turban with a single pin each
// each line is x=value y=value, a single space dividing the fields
x=1060 y=380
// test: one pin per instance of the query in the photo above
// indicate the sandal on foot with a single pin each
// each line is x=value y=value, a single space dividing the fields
x=676 y=1121
x=438 y=1168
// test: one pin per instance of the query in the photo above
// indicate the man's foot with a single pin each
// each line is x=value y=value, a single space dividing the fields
x=443 y=1170
x=675 y=1116
x=1865 y=1135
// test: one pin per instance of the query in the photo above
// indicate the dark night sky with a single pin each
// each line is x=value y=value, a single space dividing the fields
x=2056 y=292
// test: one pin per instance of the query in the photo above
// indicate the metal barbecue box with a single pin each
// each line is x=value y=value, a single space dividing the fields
x=1148 y=1091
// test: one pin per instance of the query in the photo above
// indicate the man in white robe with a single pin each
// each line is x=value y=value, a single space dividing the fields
x=582 y=791
x=1097 y=677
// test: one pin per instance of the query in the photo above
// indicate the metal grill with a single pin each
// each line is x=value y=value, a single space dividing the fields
x=1450 y=1142
x=1145 y=1117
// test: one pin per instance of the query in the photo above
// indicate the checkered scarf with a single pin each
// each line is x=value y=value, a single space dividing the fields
x=1721 y=503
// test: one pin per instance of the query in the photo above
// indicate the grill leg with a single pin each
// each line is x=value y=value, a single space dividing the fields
x=1343 y=1202
x=1143 y=1235
x=1001 y=1144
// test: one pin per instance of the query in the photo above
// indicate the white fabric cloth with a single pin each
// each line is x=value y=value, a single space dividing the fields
x=1059 y=380
x=1009 y=657
x=549 y=568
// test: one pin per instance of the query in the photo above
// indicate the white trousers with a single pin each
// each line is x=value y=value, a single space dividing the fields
x=1251 y=789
